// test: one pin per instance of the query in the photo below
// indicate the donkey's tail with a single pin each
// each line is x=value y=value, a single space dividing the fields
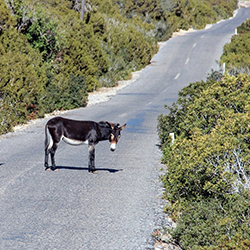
x=48 y=139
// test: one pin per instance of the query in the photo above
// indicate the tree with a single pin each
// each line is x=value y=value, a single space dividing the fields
x=83 y=9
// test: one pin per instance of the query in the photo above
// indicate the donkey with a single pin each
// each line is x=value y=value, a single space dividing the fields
x=76 y=133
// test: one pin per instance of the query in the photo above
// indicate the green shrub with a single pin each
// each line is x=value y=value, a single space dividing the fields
x=184 y=14
x=6 y=20
x=22 y=80
x=207 y=180
x=42 y=35
x=215 y=224
x=202 y=104
x=236 y=53
x=60 y=95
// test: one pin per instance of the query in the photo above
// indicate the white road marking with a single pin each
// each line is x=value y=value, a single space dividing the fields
x=194 y=45
x=124 y=114
x=165 y=90
x=176 y=77
x=187 y=61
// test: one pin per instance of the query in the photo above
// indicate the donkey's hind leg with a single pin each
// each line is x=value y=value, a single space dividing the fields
x=50 y=151
x=52 y=155
x=46 y=159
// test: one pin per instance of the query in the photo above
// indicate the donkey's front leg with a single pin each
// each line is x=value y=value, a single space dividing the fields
x=92 y=158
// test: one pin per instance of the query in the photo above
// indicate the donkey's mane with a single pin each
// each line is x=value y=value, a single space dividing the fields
x=104 y=124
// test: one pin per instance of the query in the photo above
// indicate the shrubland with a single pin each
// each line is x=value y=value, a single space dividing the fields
x=207 y=179
x=236 y=53
x=195 y=14
x=51 y=57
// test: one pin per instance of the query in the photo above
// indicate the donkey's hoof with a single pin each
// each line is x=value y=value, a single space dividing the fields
x=55 y=169
x=93 y=171
x=47 y=169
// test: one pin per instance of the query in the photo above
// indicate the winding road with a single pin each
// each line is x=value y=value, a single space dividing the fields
x=118 y=208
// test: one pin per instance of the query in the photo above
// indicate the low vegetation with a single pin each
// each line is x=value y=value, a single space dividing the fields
x=236 y=54
x=207 y=180
x=51 y=57
x=184 y=14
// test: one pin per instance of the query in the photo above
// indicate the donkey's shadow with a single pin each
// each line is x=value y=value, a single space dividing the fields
x=86 y=169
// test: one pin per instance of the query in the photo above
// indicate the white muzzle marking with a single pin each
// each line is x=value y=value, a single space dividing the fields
x=112 y=146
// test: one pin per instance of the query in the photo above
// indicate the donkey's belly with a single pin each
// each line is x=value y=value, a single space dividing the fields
x=74 y=142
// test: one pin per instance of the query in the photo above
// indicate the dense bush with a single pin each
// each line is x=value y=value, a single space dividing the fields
x=208 y=167
x=236 y=53
x=22 y=80
x=51 y=59
x=57 y=57
x=215 y=224
x=149 y=11
x=184 y=14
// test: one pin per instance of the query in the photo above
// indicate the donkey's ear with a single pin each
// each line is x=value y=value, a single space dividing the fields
x=110 y=124
x=123 y=126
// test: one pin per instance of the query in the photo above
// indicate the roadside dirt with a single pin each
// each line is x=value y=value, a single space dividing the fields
x=245 y=4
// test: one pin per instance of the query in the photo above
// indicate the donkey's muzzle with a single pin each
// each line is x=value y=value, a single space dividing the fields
x=112 y=146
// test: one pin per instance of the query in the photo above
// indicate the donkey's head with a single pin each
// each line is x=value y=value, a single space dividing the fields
x=115 y=134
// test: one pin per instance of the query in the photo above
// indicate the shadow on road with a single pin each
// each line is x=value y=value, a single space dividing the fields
x=86 y=169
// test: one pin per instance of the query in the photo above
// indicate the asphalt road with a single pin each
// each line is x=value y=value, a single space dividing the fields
x=118 y=208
